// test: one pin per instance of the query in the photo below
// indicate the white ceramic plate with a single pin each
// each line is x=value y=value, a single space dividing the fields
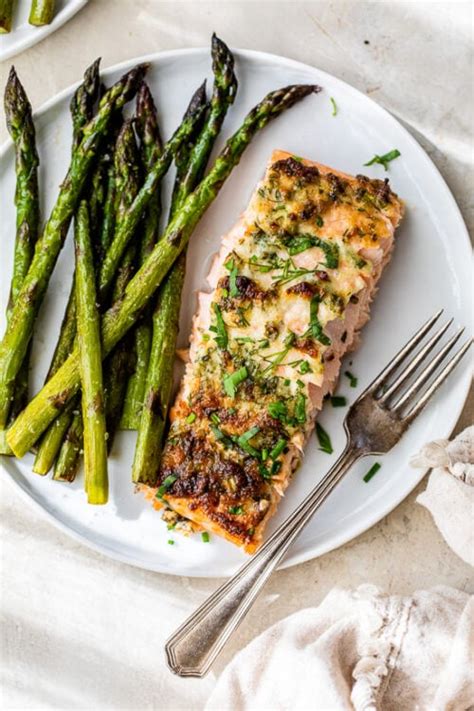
x=24 y=35
x=430 y=269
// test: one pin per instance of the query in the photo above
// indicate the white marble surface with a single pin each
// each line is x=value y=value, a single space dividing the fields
x=83 y=632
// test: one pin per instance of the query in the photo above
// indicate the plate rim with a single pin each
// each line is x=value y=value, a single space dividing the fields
x=335 y=541
x=40 y=33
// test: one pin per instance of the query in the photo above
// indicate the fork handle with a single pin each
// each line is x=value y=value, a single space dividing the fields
x=193 y=648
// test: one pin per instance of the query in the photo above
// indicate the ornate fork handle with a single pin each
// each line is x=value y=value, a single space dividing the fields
x=194 y=646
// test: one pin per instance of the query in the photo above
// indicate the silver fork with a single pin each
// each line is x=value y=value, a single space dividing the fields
x=374 y=424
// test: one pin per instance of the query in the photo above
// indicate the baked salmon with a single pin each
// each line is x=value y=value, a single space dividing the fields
x=291 y=289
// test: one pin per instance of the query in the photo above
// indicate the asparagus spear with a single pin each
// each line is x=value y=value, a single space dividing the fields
x=15 y=341
x=166 y=316
x=117 y=367
x=41 y=12
x=151 y=148
x=90 y=364
x=81 y=107
x=6 y=15
x=123 y=314
x=19 y=118
x=115 y=372
x=128 y=225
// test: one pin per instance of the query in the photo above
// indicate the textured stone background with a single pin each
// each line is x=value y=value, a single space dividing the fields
x=82 y=631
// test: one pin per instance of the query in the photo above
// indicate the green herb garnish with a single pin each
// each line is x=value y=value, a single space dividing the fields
x=352 y=379
x=385 y=159
x=372 y=472
x=300 y=408
x=315 y=328
x=233 y=380
x=236 y=510
x=334 y=106
x=243 y=441
x=278 y=409
x=190 y=418
x=165 y=485
x=221 y=337
x=233 y=289
x=205 y=537
x=323 y=439
x=278 y=448
x=170 y=542
x=338 y=401
x=300 y=243
x=319 y=221
x=304 y=367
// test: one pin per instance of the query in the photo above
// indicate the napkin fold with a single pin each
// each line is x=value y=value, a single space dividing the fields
x=449 y=495
x=361 y=650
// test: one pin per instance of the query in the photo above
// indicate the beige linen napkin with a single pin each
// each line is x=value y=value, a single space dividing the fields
x=359 y=650
x=449 y=495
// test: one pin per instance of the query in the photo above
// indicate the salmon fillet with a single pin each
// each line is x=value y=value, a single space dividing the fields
x=291 y=288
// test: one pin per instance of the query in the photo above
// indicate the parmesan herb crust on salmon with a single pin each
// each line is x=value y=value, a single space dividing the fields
x=291 y=289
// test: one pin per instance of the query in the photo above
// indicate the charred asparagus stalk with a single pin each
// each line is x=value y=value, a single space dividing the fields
x=166 y=315
x=15 y=341
x=81 y=107
x=41 y=12
x=90 y=364
x=122 y=315
x=131 y=218
x=19 y=117
x=151 y=149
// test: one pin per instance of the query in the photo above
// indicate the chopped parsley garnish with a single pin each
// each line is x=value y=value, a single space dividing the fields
x=372 y=472
x=278 y=410
x=300 y=408
x=236 y=510
x=338 y=401
x=205 y=537
x=232 y=381
x=334 y=106
x=323 y=439
x=233 y=288
x=221 y=337
x=304 y=367
x=243 y=441
x=315 y=328
x=165 y=485
x=300 y=243
x=352 y=379
x=191 y=418
x=278 y=448
x=385 y=159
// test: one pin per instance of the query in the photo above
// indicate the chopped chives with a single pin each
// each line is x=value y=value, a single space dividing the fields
x=338 y=401
x=324 y=440
x=352 y=379
x=372 y=472
x=232 y=381
x=385 y=159
x=334 y=106
x=170 y=542
x=278 y=448
x=237 y=510
x=190 y=418
x=169 y=481
x=205 y=537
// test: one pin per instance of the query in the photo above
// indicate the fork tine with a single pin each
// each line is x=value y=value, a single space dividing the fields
x=413 y=365
x=438 y=381
x=425 y=374
x=406 y=350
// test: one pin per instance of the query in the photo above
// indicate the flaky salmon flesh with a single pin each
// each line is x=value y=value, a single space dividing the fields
x=291 y=289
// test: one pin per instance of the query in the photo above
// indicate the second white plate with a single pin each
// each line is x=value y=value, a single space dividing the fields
x=430 y=269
